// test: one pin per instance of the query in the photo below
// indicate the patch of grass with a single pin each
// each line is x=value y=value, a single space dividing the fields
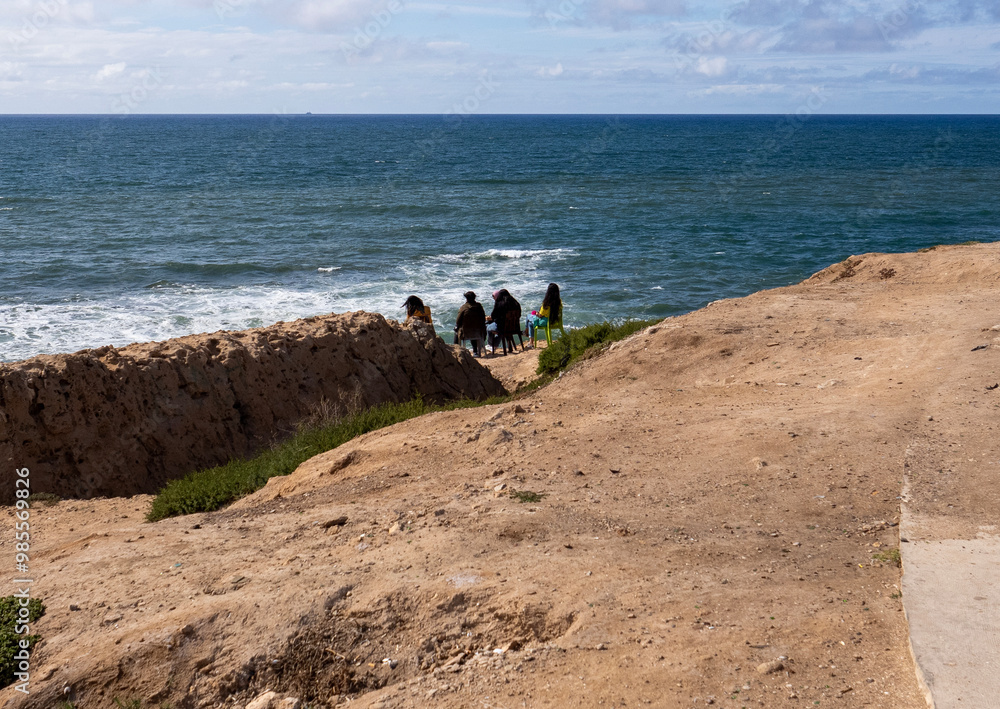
x=211 y=489
x=527 y=495
x=128 y=703
x=889 y=556
x=585 y=342
x=336 y=423
x=10 y=640
x=43 y=498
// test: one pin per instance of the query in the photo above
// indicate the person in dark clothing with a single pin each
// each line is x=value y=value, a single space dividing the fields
x=471 y=324
x=507 y=316
x=513 y=325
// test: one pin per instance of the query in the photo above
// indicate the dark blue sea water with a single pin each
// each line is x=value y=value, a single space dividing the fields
x=121 y=229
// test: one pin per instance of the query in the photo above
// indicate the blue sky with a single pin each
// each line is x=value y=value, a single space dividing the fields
x=523 y=56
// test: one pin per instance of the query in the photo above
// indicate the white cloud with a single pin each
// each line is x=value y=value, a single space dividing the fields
x=741 y=90
x=331 y=15
x=447 y=46
x=109 y=70
x=551 y=70
x=716 y=66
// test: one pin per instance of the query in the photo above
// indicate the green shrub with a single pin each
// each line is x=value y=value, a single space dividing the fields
x=889 y=556
x=585 y=341
x=47 y=499
x=9 y=640
x=211 y=489
x=207 y=490
x=527 y=495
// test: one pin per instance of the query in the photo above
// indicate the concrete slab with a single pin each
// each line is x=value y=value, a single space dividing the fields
x=951 y=596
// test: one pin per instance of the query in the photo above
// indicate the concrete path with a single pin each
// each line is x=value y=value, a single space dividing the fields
x=951 y=595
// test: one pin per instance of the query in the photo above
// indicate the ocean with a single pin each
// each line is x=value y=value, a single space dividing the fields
x=119 y=229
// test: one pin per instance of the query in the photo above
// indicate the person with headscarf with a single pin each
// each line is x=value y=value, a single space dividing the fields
x=471 y=324
x=507 y=317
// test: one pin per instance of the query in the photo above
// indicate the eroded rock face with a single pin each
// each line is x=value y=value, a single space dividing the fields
x=109 y=421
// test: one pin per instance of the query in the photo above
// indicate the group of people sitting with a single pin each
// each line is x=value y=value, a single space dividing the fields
x=500 y=326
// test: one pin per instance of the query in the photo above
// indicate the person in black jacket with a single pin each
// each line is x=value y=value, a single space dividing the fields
x=471 y=324
x=507 y=316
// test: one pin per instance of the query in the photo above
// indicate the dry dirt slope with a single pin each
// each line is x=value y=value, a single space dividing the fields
x=712 y=492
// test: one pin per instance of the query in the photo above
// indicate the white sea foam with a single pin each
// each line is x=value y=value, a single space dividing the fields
x=172 y=310
x=527 y=253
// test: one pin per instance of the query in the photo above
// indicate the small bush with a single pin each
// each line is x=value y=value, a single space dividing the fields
x=43 y=498
x=9 y=640
x=211 y=489
x=889 y=556
x=527 y=495
x=583 y=342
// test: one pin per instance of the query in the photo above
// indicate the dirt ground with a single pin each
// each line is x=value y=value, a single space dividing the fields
x=705 y=514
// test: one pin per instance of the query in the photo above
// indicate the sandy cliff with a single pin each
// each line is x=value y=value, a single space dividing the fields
x=124 y=421
x=712 y=522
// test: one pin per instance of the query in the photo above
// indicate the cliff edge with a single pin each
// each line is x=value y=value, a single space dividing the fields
x=109 y=421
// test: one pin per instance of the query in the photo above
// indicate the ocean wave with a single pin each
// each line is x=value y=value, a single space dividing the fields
x=167 y=309
x=528 y=253
x=235 y=268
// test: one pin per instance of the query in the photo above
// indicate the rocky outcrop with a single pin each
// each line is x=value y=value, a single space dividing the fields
x=110 y=421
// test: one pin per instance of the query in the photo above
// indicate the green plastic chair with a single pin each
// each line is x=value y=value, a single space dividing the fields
x=547 y=331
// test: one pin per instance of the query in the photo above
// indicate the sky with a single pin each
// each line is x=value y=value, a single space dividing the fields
x=499 y=56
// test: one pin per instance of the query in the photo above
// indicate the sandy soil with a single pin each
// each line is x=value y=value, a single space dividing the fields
x=694 y=517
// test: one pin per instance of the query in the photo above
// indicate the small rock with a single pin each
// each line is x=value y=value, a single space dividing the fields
x=337 y=596
x=336 y=522
x=601 y=646
x=264 y=701
x=187 y=629
x=290 y=703
x=767 y=668
x=396 y=528
x=111 y=618
x=74 y=607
